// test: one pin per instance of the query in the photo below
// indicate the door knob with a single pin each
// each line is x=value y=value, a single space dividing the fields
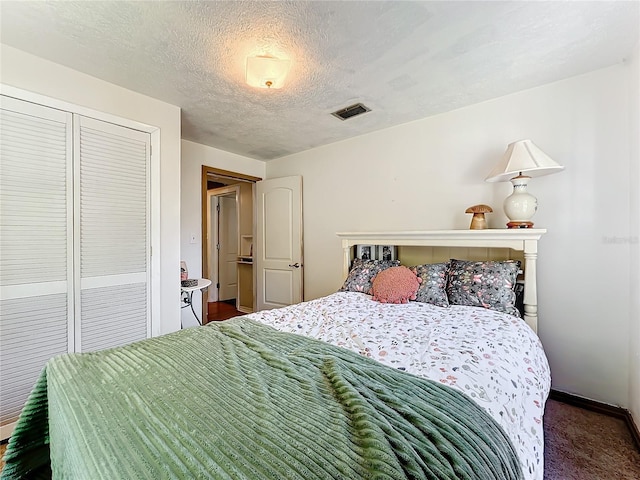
x=295 y=265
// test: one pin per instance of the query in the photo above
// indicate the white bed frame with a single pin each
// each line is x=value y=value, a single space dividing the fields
x=524 y=240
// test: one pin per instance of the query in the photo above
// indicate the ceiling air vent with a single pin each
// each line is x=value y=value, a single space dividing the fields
x=351 y=111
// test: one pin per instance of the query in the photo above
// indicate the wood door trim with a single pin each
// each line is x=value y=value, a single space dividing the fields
x=206 y=171
x=228 y=174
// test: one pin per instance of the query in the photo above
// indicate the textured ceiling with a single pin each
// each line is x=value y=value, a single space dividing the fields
x=405 y=60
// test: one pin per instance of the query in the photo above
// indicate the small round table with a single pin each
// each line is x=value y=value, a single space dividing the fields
x=188 y=298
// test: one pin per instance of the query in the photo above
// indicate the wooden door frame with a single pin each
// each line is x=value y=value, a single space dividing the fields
x=216 y=172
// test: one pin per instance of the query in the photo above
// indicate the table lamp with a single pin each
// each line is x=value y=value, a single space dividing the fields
x=522 y=160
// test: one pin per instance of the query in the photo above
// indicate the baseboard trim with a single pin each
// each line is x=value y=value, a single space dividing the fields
x=599 y=407
x=6 y=430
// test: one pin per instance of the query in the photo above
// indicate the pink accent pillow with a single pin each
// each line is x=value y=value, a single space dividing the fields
x=395 y=285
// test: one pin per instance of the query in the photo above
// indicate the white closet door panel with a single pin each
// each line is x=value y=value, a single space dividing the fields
x=111 y=316
x=36 y=243
x=113 y=199
x=33 y=290
x=32 y=330
x=35 y=172
x=112 y=163
x=113 y=280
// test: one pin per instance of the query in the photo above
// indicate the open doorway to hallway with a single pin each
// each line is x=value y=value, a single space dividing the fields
x=223 y=242
x=227 y=231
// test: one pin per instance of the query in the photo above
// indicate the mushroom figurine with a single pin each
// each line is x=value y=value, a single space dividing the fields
x=478 y=222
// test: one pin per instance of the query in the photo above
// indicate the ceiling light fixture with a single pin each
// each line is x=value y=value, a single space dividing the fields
x=266 y=71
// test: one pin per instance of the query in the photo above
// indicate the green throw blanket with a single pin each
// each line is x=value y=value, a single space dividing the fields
x=240 y=400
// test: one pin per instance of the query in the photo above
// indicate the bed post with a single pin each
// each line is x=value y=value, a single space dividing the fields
x=530 y=289
x=346 y=258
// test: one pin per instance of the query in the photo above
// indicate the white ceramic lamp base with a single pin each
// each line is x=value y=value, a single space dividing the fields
x=520 y=206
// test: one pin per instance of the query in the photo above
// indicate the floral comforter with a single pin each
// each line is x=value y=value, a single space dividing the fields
x=492 y=357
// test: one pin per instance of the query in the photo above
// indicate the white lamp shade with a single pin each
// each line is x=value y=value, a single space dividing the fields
x=523 y=157
x=266 y=72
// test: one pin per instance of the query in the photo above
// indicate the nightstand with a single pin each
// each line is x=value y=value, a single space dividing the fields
x=187 y=295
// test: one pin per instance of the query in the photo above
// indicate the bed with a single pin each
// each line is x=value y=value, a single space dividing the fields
x=493 y=358
x=338 y=387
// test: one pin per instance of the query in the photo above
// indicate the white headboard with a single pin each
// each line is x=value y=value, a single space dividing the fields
x=525 y=240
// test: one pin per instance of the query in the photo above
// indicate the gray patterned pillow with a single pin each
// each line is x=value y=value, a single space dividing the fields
x=433 y=288
x=484 y=284
x=362 y=273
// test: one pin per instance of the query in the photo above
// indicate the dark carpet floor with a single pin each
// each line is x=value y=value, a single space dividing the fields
x=580 y=445
x=584 y=445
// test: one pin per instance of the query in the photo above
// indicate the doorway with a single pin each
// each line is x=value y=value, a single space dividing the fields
x=222 y=243
x=227 y=223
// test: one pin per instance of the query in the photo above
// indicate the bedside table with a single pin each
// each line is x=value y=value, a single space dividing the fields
x=187 y=295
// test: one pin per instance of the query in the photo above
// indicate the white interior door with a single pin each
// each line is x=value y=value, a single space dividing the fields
x=278 y=246
x=228 y=252
x=74 y=235
x=112 y=227
x=36 y=232
x=222 y=242
x=212 y=244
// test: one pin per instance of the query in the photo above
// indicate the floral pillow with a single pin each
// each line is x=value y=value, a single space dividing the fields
x=433 y=288
x=362 y=273
x=484 y=284
x=395 y=285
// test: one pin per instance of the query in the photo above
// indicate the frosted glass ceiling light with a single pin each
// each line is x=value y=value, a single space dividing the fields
x=520 y=162
x=266 y=72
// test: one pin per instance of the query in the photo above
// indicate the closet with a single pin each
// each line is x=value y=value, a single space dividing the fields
x=74 y=241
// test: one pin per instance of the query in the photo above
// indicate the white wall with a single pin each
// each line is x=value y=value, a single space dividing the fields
x=33 y=74
x=424 y=174
x=194 y=156
x=634 y=221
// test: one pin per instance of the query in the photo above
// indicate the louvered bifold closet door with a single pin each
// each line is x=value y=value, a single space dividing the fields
x=112 y=198
x=35 y=246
